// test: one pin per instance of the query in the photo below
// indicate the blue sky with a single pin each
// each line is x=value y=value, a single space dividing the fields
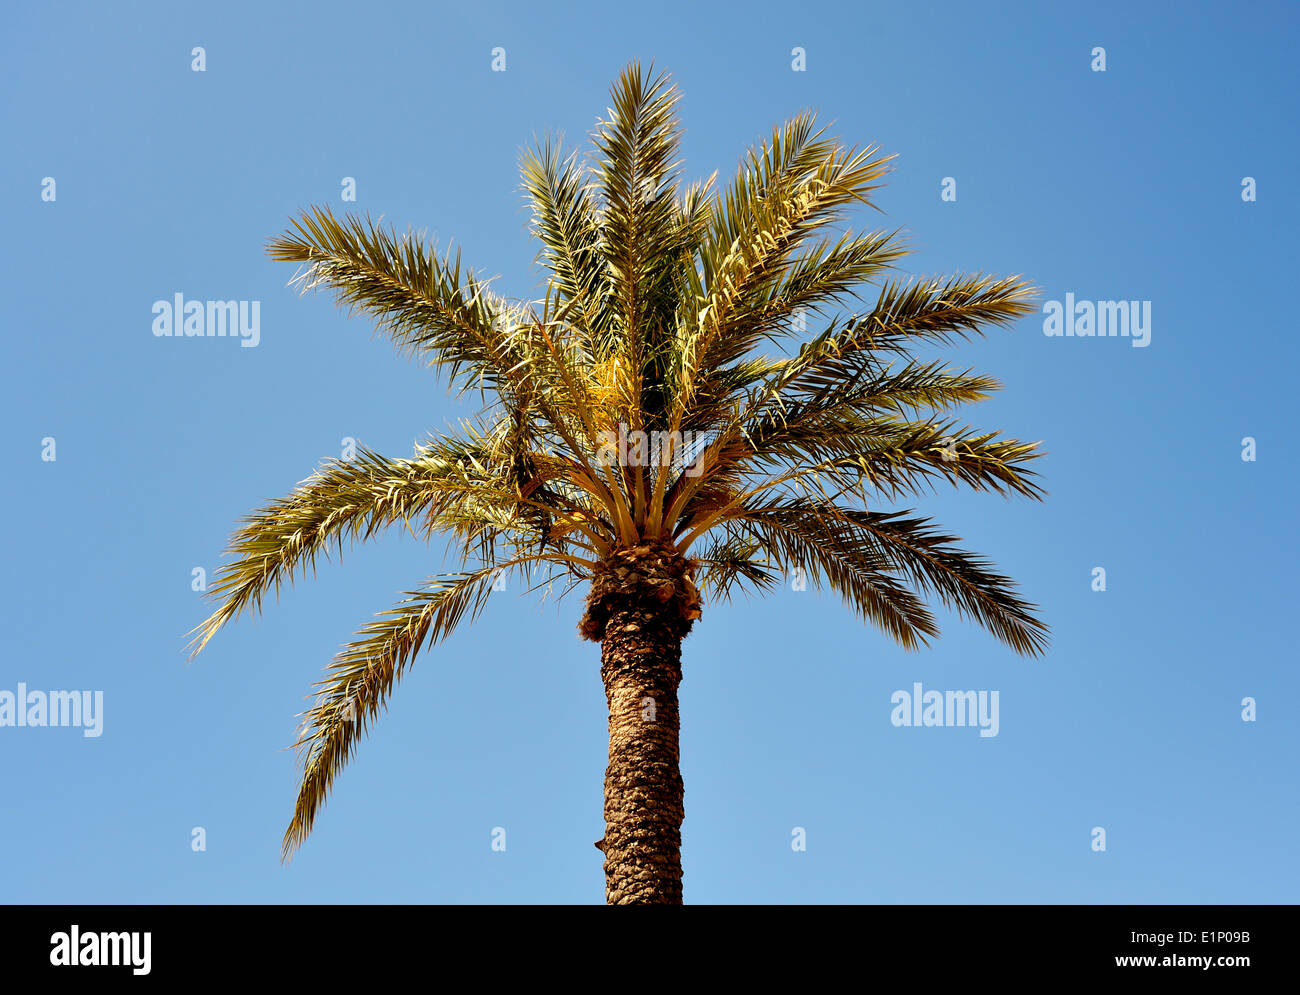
x=1122 y=184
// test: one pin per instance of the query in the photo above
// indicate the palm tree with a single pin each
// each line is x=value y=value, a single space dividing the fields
x=633 y=436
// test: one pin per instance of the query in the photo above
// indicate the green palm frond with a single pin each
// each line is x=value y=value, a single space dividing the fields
x=894 y=456
x=427 y=304
x=908 y=313
x=565 y=223
x=828 y=552
x=342 y=502
x=784 y=194
x=729 y=563
x=913 y=550
x=823 y=277
x=636 y=168
x=363 y=675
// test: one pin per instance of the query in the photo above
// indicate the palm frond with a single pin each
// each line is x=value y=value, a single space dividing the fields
x=730 y=563
x=428 y=305
x=343 y=501
x=857 y=571
x=566 y=225
x=357 y=684
x=636 y=168
x=912 y=548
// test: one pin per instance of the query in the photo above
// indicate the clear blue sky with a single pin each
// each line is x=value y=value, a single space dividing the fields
x=1123 y=184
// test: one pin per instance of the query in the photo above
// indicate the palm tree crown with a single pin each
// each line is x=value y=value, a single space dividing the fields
x=629 y=413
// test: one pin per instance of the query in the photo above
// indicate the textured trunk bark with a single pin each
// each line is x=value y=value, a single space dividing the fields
x=641 y=668
x=642 y=604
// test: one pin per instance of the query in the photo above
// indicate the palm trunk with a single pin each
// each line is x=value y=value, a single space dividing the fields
x=641 y=606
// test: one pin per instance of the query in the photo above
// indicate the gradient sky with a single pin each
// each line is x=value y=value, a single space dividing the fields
x=1123 y=184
